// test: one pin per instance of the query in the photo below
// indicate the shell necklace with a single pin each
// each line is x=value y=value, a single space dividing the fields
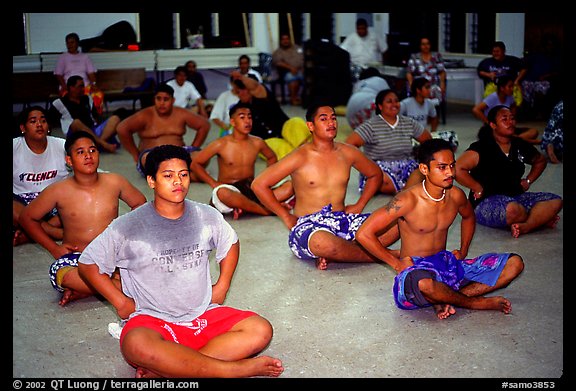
x=428 y=194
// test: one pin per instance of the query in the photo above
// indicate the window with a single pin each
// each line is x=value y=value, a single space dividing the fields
x=471 y=33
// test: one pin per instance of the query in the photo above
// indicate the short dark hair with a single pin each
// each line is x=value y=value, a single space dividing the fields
x=162 y=153
x=25 y=113
x=180 y=69
x=237 y=106
x=163 y=87
x=428 y=148
x=72 y=80
x=417 y=84
x=361 y=22
x=73 y=137
x=313 y=109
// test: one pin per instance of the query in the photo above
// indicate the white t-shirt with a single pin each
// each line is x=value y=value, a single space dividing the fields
x=364 y=50
x=185 y=95
x=32 y=172
x=222 y=106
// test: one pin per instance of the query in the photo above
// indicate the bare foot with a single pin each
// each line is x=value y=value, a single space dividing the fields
x=258 y=366
x=498 y=303
x=261 y=366
x=322 y=264
x=237 y=213
x=444 y=310
x=515 y=230
x=20 y=238
x=70 y=295
x=143 y=373
x=552 y=223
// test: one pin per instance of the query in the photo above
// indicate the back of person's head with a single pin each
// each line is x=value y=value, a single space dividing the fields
x=313 y=109
x=163 y=87
x=238 y=106
x=72 y=80
x=162 y=153
x=25 y=113
x=428 y=148
x=369 y=72
x=417 y=84
x=380 y=98
x=73 y=137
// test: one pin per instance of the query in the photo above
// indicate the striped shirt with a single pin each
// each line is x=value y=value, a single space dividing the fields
x=383 y=141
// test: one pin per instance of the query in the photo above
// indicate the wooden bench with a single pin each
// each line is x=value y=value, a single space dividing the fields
x=34 y=87
x=114 y=84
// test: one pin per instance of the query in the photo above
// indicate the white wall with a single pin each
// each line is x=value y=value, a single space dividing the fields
x=47 y=31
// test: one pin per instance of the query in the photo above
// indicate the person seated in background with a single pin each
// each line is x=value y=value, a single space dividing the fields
x=361 y=106
x=541 y=77
x=365 y=47
x=74 y=62
x=185 y=94
x=498 y=65
x=503 y=96
x=38 y=160
x=553 y=137
x=220 y=114
x=160 y=124
x=289 y=61
x=86 y=202
x=196 y=78
x=237 y=154
x=493 y=169
x=269 y=121
x=76 y=111
x=420 y=107
x=430 y=65
x=245 y=68
x=387 y=139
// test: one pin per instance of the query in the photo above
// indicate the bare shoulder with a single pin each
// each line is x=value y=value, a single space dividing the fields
x=458 y=194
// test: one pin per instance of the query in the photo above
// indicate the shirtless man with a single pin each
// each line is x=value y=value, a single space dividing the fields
x=322 y=227
x=160 y=124
x=237 y=154
x=427 y=273
x=86 y=202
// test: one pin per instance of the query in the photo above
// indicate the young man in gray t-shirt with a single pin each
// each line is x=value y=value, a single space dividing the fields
x=177 y=325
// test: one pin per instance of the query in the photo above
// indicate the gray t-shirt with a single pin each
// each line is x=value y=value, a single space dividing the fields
x=411 y=108
x=163 y=262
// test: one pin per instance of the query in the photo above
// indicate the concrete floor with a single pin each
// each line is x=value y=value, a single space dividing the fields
x=338 y=323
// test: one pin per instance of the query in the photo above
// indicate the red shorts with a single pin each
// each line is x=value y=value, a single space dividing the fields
x=194 y=334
